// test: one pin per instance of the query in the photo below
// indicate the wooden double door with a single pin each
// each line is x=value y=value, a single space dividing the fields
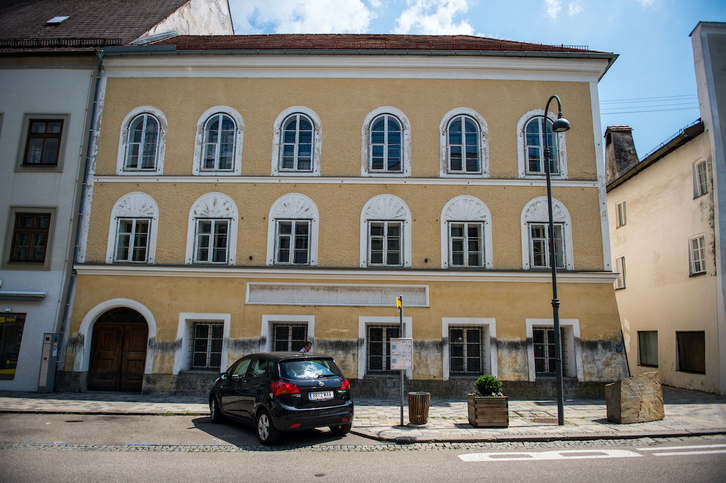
x=118 y=352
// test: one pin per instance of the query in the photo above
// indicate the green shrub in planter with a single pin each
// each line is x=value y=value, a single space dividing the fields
x=488 y=385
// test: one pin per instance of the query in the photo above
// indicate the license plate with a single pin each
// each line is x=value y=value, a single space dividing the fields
x=320 y=396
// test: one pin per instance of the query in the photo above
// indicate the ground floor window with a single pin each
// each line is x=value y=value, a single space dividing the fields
x=207 y=340
x=11 y=334
x=466 y=350
x=289 y=337
x=544 y=351
x=691 y=351
x=379 y=347
x=648 y=348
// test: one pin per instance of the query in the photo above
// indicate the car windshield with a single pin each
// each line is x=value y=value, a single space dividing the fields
x=309 y=369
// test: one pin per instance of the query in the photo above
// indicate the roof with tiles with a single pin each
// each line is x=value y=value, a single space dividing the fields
x=363 y=42
x=90 y=24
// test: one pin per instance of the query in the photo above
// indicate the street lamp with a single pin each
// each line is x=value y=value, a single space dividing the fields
x=560 y=125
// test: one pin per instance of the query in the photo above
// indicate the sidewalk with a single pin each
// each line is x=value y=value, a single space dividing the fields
x=688 y=413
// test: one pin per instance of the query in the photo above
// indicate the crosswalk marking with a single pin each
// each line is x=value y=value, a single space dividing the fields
x=572 y=454
x=686 y=450
x=668 y=448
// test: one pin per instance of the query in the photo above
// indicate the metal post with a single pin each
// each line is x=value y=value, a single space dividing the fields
x=400 y=332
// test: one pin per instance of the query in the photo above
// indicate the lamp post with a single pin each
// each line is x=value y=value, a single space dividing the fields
x=560 y=125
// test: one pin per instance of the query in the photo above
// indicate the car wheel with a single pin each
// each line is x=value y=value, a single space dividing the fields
x=214 y=413
x=266 y=432
x=341 y=430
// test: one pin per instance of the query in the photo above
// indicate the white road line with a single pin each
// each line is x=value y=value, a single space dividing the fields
x=688 y=453
x=669 y=448
x=573 y=454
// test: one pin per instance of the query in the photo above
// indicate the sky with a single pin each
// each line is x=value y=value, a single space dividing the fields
x=651 y=87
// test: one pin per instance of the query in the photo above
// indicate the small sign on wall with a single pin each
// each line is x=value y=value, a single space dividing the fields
x=401 y=354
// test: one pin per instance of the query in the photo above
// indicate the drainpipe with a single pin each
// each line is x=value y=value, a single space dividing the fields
x=76 y=248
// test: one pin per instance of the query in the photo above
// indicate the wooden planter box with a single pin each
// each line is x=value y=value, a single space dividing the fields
x=488 y=411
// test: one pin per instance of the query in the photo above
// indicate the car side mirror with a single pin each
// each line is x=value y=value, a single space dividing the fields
x=223 y=376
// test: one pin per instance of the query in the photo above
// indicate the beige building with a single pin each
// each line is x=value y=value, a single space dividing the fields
x=665 y=219
x=249 y=193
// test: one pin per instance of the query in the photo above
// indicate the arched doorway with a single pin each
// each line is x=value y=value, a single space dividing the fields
x=118 y=351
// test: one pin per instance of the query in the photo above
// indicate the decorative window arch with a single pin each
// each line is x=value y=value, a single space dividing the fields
x=463 y=130
x=385 y=226
x=534 y=221
x=212 y=230
x=292 y=231
x=473 y=221
x=386 y=139
x=142 y=143
x=133 y=229
x=529 y=146
x=296 y=143
x=218 y=142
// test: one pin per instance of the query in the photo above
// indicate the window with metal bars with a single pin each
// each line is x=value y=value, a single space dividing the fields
x=379 y=348
x=289 y=337
x=544 y=351
x=207 y=338
x=466 y=350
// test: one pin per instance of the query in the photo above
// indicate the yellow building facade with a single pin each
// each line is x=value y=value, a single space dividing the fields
x=245 y=197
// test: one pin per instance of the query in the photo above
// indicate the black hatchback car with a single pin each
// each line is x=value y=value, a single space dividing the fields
x=283 y=391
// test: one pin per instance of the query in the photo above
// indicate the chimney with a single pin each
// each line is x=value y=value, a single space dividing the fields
x=620 y=153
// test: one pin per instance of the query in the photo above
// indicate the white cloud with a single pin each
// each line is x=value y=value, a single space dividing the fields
x=434 y=17
x=303 y=16
x=575 y=8
x=553 y=7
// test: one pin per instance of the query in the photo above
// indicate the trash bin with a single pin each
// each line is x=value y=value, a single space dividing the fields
x=418 y=407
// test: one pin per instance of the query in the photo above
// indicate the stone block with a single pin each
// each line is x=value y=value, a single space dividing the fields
x=636 y=399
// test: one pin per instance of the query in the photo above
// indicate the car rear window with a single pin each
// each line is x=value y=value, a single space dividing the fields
x=309 y=369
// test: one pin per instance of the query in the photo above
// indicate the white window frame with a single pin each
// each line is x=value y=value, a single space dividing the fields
x=385 y=208
x=522 y=149
x=269 y=321
x=546 y=240
x=132 y=237
x=123 y=143
x=466 y=208
x=134 y=205
x=277 y=142
x=535 y=211
x=571 y=345
x=483 y=138
x=405 y=143
x=489 y=326
x=213 y=206
x=186 y=321
x=697 y=254
x=700 y=178
x=293 y=206
x=620 y=270
x=212 y=247
x=293 y=236
x=386 y=225
x=363 y=323
x=621 y=214
x=199 y=143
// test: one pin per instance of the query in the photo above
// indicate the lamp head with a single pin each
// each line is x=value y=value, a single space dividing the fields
x=561 y=124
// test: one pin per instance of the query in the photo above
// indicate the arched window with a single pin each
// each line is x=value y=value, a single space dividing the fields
x=530 y=138
x=386 y=143
x=218 y=146
x=296 y=143
x=132 y=231
x=462 y=146
x=212 y=230
x=385 y=239
x=535 y=235
x=466 y=234
x=292 y=234
x=141 y=145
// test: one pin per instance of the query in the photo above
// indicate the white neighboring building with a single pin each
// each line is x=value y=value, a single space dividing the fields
x=48 y=74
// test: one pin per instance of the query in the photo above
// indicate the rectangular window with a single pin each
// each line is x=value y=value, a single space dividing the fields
x=30 y=237
x=11 y=334
x=466 y=350
x=43 y=143
x=385 y=243
x=379 y=348
x=207 y=338
x=698 y=254
x=466 y=248
x=544 y=351
x=289 y=337
x=539 y=254
x=293 y=242
x=132 y=240
x=648 y=348
x=621 y=216
x=691 y=351
x=620 y=269
x=211 y=241
x=700 y=179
